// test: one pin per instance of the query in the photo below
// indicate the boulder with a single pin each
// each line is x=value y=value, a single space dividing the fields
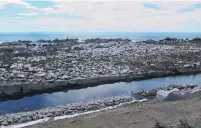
x=5 y=123
x=22 y=120
x=164 y=95
x=175 y=94
x=50 y=115
x=29 y=119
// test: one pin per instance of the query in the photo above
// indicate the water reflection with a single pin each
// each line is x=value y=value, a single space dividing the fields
x=59 y=98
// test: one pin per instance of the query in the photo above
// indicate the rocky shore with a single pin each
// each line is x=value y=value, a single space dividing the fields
x=177 y=92
x=69 y=109
x=137 y=115
x=182 y=93
x=30 y=67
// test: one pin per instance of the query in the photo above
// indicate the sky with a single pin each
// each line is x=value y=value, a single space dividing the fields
x=101 y=16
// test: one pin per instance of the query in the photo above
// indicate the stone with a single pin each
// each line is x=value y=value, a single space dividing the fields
x=44 y=116
x=16 y=119
x=10 y=121
x=162 y=95
x=1 y=120
x=35 y=117
x=5 y=123
x=64 y=77
x=29 y=119
x=22 y=120
x=170 y=87
x=40 y=116
x=50 y=115
x=68 y=112
x=57 y=113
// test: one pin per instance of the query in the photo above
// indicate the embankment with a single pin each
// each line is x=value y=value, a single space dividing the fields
x=23 y=89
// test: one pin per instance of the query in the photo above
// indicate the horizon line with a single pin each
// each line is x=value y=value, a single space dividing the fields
x=105 y=32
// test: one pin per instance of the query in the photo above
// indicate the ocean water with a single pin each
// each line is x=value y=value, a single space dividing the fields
x=83 y=35
x=84 y=94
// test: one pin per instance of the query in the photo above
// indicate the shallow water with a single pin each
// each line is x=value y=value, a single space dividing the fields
x=107 y=90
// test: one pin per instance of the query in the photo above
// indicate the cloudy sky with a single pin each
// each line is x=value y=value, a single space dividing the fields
x=65 y=16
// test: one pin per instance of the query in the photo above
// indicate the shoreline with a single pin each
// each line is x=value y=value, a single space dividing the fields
x=8 y=92
x=96 y=105
x=72 y=116
x=138 y=115
x=62 y=111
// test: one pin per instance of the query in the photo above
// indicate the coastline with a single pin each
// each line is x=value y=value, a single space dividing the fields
x=62 y=111
x=72 y=116
x=138 y=115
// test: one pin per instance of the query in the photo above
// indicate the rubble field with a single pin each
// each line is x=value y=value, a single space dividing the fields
x=27 y=67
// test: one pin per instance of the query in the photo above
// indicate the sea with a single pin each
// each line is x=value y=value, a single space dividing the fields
x=136 y=36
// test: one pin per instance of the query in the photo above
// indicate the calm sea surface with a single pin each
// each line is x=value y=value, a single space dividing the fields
x=84 y=35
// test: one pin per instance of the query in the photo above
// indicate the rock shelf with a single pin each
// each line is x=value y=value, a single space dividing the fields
x=28 y=67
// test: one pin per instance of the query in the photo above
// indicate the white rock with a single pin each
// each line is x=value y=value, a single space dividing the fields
x=21 y=76
x=64 y=77
x=163 y=95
